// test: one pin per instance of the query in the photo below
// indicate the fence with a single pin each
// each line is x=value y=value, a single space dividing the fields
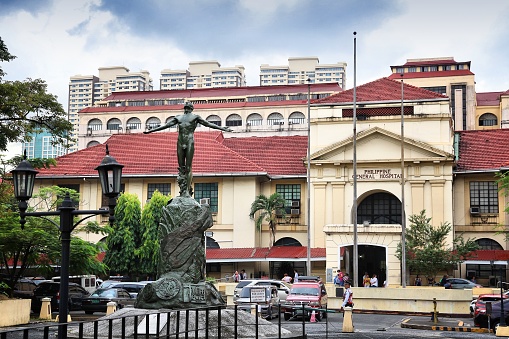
x=210 y=322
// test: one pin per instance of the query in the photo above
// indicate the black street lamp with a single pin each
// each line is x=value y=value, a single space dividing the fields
x=502 y=313
x=110 y=174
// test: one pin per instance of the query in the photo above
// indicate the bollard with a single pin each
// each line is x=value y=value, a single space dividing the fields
x=434 y=314
x=45 y=309
x=347 y=320
x=253 y=309
x=111 y=307
x=68 y=318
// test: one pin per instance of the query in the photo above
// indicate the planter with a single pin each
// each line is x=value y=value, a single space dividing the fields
x=14 y=312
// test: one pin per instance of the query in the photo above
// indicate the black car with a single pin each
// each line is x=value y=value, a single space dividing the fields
x=52 y=290
x=481 y=318
x=99 y=299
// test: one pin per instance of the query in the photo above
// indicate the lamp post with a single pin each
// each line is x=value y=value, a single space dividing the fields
x=308 y=185
x=110 y=174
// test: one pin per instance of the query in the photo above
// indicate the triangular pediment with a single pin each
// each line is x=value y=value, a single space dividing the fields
x=378 y=145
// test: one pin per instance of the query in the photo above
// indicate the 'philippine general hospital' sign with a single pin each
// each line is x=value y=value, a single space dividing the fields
x=378 y=174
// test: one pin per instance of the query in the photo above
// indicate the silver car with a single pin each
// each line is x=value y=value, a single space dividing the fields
x=283 y=289
x=265 y=297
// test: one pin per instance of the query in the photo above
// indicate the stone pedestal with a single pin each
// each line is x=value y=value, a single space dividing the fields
x=45 y=312
x=181 y=282
x=347 y=320
x=111 y=307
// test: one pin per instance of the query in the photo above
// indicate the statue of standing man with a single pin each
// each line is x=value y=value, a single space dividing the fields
x=187 y=123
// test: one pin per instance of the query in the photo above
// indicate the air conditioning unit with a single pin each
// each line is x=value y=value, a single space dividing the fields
x=295 y=211
x=475 y=210
x=296 y=203
x=205 y=201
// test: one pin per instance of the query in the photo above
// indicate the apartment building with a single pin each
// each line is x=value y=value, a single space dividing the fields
x=446 y=76
x=300 y=69
x=43 y=145
x=203 y=74
x=85 y=90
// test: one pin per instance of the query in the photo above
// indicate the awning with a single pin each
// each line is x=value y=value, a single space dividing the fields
x=257 y=254
x=487 y=257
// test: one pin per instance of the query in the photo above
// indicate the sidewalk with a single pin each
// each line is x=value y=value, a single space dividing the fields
x=443 y=324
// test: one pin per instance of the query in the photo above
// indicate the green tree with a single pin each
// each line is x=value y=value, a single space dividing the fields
x=267 y=208
x=125 y=236
x=426 y=247
x=148 y=252
x=503 y=187
x=25 y=107
x=38 y=245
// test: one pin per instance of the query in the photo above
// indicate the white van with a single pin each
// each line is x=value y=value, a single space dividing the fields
x=89 y=282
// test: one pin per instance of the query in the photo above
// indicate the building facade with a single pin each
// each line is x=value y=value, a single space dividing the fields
x=445 y=76
x=301 y=70
x=85 y=90
x=492 y=110
x=262 y=111
x=43 y=145
x=203 y=74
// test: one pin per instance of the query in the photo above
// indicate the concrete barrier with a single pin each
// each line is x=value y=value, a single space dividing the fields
x=14 y=312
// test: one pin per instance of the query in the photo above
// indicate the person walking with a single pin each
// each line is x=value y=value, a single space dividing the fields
x=296 y=276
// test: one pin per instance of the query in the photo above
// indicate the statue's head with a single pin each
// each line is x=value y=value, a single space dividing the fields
x=188 y=105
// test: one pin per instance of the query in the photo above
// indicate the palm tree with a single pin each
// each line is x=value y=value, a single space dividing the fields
x=268 y=208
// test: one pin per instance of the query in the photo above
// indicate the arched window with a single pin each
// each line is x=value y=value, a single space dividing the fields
x=113 y=124
x=211 y=243
x=275 y=119
x=168 y=120
x=95 y=125
x=488 y=119
x=296 y=118
x=380 y=208
x=93 y=143
x=133 y=123
x=488 y=244
x=214 y=119
x=233 y=120
x=152 y=122
x=254 y=119
x=287 y=241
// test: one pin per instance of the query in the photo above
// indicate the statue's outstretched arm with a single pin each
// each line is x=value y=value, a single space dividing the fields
x=170 y=123
x=214 y=126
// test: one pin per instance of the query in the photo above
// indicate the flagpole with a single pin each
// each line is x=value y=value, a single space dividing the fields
x=403 y=221
x=354 y=208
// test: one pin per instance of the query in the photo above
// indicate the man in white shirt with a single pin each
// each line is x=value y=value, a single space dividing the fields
x=347 y=296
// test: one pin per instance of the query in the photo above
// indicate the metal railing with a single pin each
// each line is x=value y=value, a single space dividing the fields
x=208 y=322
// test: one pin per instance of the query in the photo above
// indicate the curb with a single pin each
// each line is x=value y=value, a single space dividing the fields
x=459 y=328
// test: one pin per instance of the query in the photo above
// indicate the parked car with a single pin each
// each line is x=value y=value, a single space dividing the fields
x=132 y=287
x=52 y=290
x=459 y=283
x=99 y=299
x=481 y=318
x=311 y=295
x=283 y=289
x=268 y=301
x=24 y=289
x=480 y=302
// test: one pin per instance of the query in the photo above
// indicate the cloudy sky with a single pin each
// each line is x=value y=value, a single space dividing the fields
x=56 y=39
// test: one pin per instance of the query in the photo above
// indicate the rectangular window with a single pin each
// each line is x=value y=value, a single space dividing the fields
x=291 y=194
x=104 y=199
x=75 y=187
x=163 y=188
x=207 y=190
x=484 y=194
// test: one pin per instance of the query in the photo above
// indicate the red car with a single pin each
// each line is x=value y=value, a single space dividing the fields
x=480 y=304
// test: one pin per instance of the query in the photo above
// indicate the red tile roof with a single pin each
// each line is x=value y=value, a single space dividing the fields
x=223 y=92
x=276 y=253
x=428 y=62
x=436 y=74
x=155 y=154
x=483 y=150
x=488 y=98
x=379 y=90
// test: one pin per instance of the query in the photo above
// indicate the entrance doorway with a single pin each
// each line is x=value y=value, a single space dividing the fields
x=372 y=259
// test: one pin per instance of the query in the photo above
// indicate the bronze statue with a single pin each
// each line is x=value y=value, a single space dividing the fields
x=187 y=123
